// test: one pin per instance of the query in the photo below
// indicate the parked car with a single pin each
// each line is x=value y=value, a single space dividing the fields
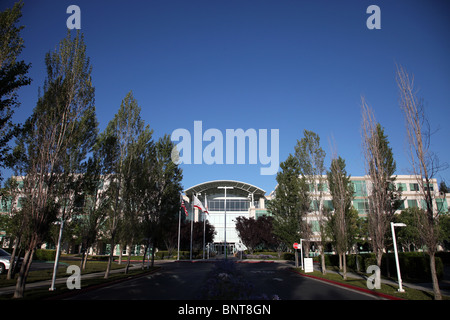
x=5 y=257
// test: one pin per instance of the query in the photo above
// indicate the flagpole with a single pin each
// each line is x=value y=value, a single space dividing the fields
x=204 y=224
x=192 y=225
x=179 y=229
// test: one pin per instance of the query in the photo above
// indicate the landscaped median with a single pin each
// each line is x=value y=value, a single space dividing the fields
x=387 y=291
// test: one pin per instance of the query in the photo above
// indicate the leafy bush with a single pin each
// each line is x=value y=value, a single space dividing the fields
x=44 y=255
x=288 y=256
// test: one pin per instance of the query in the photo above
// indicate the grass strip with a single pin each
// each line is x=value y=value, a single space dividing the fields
x=387 y=290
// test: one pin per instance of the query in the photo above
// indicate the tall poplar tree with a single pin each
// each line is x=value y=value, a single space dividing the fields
x=384 y=197
x=57 y=137
x=311 y=159
x=116 y=144
x=424 y=164
x=342 y=195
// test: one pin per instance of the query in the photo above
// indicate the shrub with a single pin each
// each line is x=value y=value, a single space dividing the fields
x=44 y=255
x=288 y=256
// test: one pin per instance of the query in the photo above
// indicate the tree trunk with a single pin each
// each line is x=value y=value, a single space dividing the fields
x=344 y=263
x=128 y=264
x=12 y=267
x=379 y=256
x=23 y=274
x=110 y=259
x=143 y=258
x=322 y=255
x=85 y=260
x=436 y=290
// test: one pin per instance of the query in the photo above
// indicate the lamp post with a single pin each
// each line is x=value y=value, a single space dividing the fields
x=393 y=225
x=58 y=250
x=225 y=219
x=301 y=251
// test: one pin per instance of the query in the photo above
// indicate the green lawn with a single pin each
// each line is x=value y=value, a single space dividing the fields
x=91 y=267
x=409 y=294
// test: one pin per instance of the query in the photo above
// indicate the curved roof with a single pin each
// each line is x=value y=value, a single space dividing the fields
x=228 y=183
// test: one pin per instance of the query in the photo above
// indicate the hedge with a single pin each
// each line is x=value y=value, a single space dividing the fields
x=413 y=265
x=44 y=255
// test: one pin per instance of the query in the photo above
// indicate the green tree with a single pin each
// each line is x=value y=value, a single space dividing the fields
x=161 y=193
x=290 y=204
x=311 y=159
x=409 y=236
x=56 y=140
x=13 y=75
x=341 y=221
x=117 y=145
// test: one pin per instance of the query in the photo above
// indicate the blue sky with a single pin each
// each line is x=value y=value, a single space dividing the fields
x=287 y=65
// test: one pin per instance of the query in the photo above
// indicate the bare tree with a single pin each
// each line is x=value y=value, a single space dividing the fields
x=380 y=167
x=424 y=163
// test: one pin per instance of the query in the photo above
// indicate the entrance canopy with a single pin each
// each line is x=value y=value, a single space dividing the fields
x=227 y=183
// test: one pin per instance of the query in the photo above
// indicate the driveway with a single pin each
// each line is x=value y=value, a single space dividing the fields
x=183 y=281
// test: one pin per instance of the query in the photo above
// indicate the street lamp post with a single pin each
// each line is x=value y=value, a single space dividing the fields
x=58 y=250
x=393 y=225
x=301 y=252
x=225 y=219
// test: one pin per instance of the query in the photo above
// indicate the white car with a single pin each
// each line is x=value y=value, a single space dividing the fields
x=5 y=257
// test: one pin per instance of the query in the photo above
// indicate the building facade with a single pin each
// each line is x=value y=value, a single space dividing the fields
x=241 y=199
x=247 y=200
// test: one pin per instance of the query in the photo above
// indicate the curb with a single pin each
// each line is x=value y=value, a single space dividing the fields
x=349 y=286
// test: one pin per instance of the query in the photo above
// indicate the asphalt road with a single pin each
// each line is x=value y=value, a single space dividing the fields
x=183 y=281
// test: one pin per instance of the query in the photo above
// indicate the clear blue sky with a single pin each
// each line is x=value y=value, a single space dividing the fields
x=289 y=65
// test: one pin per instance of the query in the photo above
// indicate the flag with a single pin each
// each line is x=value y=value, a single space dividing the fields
x=183 y=206
x=198 y=204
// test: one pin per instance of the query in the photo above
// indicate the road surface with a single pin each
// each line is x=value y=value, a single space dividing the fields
x=183 y=281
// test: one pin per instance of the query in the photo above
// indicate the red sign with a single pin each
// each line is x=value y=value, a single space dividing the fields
x=296 y=246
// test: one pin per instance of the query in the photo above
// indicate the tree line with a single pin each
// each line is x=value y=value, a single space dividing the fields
x=119 y=184
x=303 y=177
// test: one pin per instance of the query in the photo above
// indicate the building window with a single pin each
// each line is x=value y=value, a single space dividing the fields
x=314 y=206
x=401 y=186
x=328 y=205
x=442 y=205
x=412 y=204
x=361 y=205
x=359 y=188
x=414 y=187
